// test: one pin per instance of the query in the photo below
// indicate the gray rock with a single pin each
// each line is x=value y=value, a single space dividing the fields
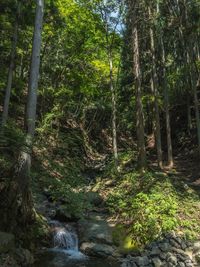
x=189 y=264
x=171 y=258
x=24 y=257
x=155 y=251
x=142 y=261
x=98 y=250
x=181 y=264
x=174 y=243
x=196 y=247
x=157 y=262
x=165 y=246
x=162 y=256
x=128 y=264
x=7 y=242
x=95 y=230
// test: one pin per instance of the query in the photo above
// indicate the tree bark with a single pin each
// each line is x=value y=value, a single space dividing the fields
x=20 y=206
x=167 y=114
x=154 y=85
x=10 y=72
x=114 y=111
x=139 y=106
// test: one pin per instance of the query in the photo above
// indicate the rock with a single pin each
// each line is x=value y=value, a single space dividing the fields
x=157 y=262
x=126 y=263
x=7 y=242
x=155 y=251
x=171 y=258
x=95 y=230
x=174 y=243
x=142 y=261
x=98 y=250
x=164 y=246
x=162 y=256
x=109 y=183
x=196 y=247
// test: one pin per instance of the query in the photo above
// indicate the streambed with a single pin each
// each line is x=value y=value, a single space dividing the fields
x=53 y=258
x=65 y=251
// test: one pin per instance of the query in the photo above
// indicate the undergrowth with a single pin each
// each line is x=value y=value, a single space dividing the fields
x=151 y=204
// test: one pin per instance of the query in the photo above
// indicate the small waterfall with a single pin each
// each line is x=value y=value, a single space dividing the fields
x=65 y=240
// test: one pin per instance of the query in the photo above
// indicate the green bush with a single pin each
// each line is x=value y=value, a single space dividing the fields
x=152 y=215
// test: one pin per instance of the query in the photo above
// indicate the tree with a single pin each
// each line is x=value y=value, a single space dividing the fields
x=133 y=9
x=154 y=85
x=10 y=71
x=111 y=12
x=20 y=207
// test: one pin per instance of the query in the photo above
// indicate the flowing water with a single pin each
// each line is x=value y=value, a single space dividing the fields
x=65 y=252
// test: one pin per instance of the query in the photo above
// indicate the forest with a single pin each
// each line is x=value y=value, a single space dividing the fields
x=99 y=133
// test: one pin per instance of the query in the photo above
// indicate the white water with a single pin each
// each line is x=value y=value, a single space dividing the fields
x=65 y=241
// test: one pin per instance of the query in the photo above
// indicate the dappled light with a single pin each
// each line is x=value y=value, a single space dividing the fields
x=99 y=133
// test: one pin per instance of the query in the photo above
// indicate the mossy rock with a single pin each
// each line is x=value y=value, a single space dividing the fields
x=123 y=240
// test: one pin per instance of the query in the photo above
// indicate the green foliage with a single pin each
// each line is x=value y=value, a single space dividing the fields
x=152 y=206
x=75 y=199
x=153 y=214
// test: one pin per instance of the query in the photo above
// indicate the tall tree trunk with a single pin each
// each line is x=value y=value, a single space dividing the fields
x=167 y=114
x=193 y=72
x=139 y=106
x=10 y=72
x=114 y=111
x=154 y=85
x=196 y=100
x=20 y=206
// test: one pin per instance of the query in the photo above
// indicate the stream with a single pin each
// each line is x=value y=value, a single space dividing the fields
x=65 y=251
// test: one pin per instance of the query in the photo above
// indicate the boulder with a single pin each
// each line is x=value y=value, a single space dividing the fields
x=97 y=250
x=95 y=230
x=7 y=242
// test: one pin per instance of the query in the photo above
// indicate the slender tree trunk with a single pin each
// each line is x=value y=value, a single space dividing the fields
x=154 y=85
x=191 y=66
x=114 y=111
x=10 y=73
x=20 y=208
x=196 y=104
x=139 y=107
x=167 y=114
x=190 y=61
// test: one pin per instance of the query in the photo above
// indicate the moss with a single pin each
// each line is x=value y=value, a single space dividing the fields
x=123 y=240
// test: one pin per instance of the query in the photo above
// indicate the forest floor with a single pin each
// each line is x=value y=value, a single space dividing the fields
x=62 y=172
